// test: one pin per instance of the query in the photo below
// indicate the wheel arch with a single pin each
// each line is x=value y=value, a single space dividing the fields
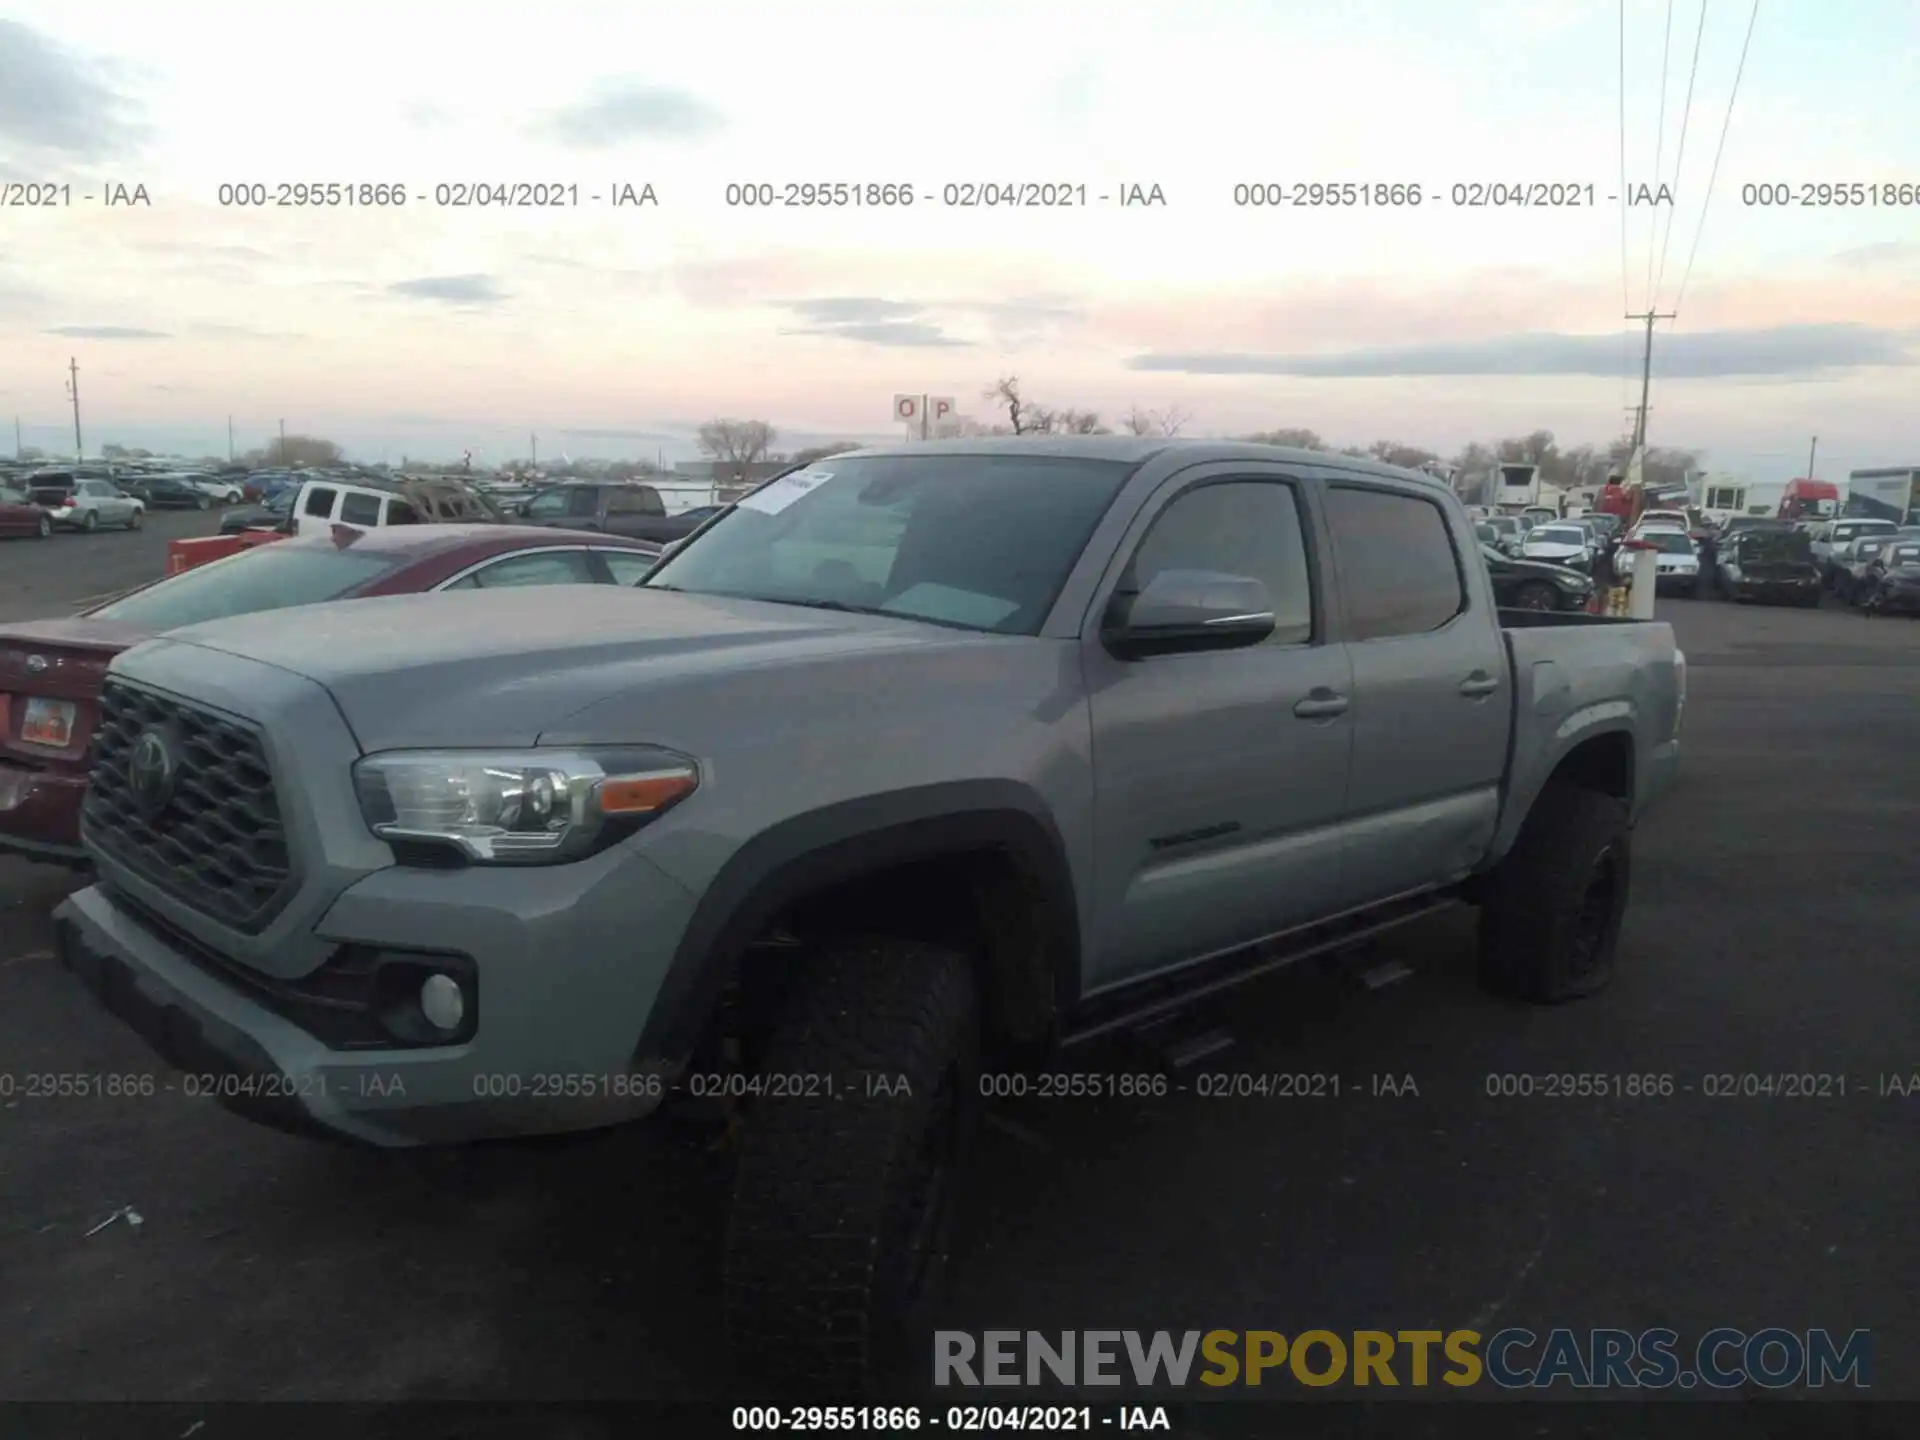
x=993 y=842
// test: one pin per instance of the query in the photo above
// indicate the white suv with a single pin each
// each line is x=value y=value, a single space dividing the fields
x=325 y=503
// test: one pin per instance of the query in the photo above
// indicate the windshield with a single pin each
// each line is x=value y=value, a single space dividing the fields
x=983 y=542
x=1559 y=535
x=1903 y=555
x=1670 y=542
x=272 y=577
x=1774 y=545
x=1844 y=533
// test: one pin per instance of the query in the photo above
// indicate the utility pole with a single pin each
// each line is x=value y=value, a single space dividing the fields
x=1646 y=375
x=229 y=439
x=283 y=442
x=535 y=450
x=1812 y=450
x=73 y=390
x=18 y=448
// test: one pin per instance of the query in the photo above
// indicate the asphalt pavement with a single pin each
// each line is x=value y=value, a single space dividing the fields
x=67 y=570
x=1771 y=932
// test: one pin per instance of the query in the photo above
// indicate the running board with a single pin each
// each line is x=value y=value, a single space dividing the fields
x=1141 y=1005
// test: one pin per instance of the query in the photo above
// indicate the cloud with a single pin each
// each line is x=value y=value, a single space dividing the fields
x=107 y=332
x=868 y=320
x=1714 y=354
x=1886 y=253
x=656 y=436
x=51 y=101
x=623 y=110
x=453 y=289
x=242 y=332
x=426 y=117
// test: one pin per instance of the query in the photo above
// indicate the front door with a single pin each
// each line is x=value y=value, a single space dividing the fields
x=1219 y=777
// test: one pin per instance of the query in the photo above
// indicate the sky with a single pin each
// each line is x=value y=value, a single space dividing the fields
x=601 y=329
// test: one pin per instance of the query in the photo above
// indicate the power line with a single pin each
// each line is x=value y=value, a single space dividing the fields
x=1680 y=157
x=1659 y=149
x=1718 y=151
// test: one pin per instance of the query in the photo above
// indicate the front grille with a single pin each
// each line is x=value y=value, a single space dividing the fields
x=220 y=844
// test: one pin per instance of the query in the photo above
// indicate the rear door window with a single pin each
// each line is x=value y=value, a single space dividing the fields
x=358 y=508
x=1398 y=571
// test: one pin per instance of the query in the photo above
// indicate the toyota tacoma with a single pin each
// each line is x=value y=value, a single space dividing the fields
x=915 y=761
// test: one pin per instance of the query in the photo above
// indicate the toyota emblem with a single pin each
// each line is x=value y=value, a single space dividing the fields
x=151 y=772
x=36 y=664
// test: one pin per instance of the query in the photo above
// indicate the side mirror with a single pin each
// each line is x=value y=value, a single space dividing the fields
x=1189 y=610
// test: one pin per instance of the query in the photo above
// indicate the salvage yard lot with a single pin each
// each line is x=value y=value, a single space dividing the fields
x=1772 y=930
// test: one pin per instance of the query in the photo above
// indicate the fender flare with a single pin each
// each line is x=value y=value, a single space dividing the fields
x=841 y=842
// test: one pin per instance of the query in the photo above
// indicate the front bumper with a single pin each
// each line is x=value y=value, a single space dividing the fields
x=1783 y=591
x=568 y=961
x=40 y=814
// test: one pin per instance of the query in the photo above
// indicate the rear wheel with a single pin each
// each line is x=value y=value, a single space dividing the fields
x=1536 y=595
x=46 y=526
x=1550 y=923
x=841 y=1220
x=90 y=521
x=205 y=502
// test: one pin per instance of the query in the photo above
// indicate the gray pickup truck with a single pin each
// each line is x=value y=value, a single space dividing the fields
x=918 y=762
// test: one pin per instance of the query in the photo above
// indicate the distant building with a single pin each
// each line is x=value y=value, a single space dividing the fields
x=733 y=474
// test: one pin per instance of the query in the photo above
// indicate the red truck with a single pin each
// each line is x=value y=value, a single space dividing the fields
x=1810 y=500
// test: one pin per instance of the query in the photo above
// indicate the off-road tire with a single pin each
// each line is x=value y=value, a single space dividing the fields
x=818 y=1271
x=1564 y=885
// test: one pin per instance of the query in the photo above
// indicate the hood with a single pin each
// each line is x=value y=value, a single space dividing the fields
x=499 y=668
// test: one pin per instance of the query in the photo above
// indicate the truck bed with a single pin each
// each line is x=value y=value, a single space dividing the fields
x=1576 y=676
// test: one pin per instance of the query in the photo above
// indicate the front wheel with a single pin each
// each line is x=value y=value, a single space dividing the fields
x=133 y=520
x=90 y=521
x=841 y=1221
x=1550 y=922
x=45 y=526
x=1537 y=595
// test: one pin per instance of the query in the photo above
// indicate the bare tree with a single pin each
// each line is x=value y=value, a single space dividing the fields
x=1167 y=423
x=1078 y=422
x=296 y=450
x=1024 y=417
x=1294 y=438
x=736 y=442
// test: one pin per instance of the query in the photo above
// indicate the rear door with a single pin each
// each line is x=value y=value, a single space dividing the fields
x=361 y=509
x=315 y=509
x=1431 y=689
x=1219 y=777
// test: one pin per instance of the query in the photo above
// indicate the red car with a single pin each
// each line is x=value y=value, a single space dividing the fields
x=51 y=670
x=20 y=516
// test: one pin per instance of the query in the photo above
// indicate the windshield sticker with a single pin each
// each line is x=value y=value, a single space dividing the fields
x=771 y=499
x=943 y=602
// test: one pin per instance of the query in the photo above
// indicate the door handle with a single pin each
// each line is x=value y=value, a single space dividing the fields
x=1478 y=684
x=1320 y=704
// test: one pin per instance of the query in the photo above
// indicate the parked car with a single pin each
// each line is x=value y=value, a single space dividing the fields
x=369 y=503
x=1891 y=585
x=1510 y=533
x=1773 y=563
x=19 y=515
x=169 y=492
x=275 y=514
x=1676 y=561
x=911 y=765
x=51 y=670
x=1852 y=561
x=1532 y=585
x=1835 y=535
x=612 y=507
x=223 y=489
x=85 y=503
x=1560 y=544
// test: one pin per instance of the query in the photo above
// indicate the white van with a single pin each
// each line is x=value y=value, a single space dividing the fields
x=368 y=505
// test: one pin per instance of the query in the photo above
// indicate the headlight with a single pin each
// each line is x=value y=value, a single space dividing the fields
x=519 y=807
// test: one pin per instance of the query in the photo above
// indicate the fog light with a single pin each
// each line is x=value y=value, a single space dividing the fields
x=442 y=1003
